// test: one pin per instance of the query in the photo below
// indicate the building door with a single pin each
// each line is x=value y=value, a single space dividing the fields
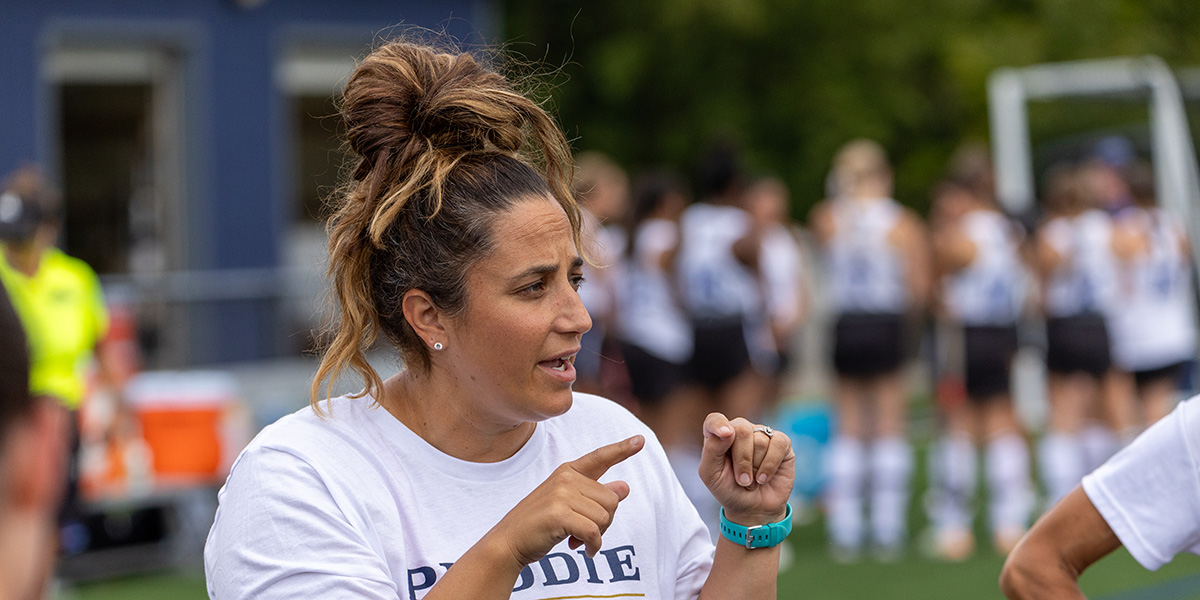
x=120 y=163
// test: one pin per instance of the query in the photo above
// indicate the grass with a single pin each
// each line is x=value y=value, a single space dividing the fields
x=813 y=576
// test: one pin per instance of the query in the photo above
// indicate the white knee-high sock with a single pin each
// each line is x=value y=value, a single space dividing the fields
x=891 y=470
x=844 y=491
x=1099 y=443
x=954 y=473
x=1063 y=464
x=1009 y=486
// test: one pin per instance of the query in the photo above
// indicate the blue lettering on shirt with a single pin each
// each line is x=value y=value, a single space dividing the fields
x=556 y=568
x=619 y=564
x=570 y=571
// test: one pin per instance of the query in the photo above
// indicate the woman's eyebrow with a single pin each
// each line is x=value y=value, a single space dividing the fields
x=540 y=270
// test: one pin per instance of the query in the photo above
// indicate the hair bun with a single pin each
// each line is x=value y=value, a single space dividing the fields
x=406 y=100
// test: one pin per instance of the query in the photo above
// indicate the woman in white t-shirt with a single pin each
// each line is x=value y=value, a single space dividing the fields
x=476 y=472
x=1146 y=498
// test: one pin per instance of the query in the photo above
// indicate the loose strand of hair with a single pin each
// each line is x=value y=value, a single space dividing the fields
x=357 y=326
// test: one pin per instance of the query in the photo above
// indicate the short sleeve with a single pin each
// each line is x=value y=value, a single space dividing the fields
x=1149 y=493
x=694 y=557
x=280 y=533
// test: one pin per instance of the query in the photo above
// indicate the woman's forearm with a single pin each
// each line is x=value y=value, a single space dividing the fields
x=1050 y=558
x=741 y=574
x=488 y=571
x=1031 y=578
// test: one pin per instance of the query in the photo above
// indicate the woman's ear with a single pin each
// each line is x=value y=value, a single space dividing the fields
x=424 y=316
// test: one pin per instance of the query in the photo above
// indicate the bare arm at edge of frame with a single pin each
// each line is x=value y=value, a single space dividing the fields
x=1063 y=543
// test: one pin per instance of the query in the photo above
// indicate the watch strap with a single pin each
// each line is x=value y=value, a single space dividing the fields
x=759 y=536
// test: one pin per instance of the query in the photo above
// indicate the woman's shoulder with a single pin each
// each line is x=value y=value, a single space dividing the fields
x=311 y=432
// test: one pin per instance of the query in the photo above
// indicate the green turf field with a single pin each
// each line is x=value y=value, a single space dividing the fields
x=813 y=576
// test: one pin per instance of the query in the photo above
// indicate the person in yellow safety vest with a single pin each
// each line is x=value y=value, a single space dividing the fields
x=61 y=305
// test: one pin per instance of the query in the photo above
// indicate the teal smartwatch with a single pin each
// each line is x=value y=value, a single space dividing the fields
x=759 y=536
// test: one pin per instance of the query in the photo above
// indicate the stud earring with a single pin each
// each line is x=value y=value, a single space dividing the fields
x=438 y=346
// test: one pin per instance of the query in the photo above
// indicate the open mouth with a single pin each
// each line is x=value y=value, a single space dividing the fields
x=562 y=367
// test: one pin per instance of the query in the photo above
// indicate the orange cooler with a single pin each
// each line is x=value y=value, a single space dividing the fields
x=182 y=415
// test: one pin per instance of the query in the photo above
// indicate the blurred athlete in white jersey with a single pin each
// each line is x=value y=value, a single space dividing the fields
x=655 y=332
x=603 y=192
x=1154 y=335
x=781 y=276
x=984 y=287
x=1077 y=252
x=877 y=270
x=717 y=264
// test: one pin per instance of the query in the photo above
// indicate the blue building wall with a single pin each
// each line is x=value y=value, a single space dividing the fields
x=237 y=146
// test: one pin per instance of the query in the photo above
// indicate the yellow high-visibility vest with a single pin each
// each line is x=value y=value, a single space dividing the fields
x=62 y=309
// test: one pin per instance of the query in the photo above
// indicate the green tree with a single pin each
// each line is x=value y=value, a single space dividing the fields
x=651 y=82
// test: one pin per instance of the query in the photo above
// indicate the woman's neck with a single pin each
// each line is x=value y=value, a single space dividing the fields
x=444 y=417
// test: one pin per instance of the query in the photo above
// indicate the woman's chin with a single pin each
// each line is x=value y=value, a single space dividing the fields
x=556 y=403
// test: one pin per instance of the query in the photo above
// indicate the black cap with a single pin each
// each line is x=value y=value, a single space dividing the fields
x=19 y=216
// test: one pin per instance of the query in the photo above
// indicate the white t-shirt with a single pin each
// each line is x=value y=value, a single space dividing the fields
x=865 y=272
x=1154 y=326
x=714 y=283
x=649 y=313
x=1149 y=493
x=358 y=506
x=991 y=290
x=781 y=267
x=1086 y=282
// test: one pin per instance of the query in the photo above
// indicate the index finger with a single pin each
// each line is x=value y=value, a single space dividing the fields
x=595 y=463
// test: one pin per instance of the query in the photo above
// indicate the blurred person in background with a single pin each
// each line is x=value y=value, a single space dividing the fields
x=1145 y=498
x=781 y=275
x=1154 y=334
x=1076 y=252
x=31 y=462
x=983 y=293
x=474 y=472
x=877 y=270
x=654 y=331
x=603 y=192
x=1105 y=183
x=716 y=266
x=1104 y=174
x=61 y=304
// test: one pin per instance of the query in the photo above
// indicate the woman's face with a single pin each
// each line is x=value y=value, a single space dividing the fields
x=513 y=347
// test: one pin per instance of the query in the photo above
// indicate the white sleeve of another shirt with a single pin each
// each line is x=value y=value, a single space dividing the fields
x=279 y=533
x=1149 y=493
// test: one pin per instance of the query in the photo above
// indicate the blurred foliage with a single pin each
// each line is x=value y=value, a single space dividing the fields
x=651 y=82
